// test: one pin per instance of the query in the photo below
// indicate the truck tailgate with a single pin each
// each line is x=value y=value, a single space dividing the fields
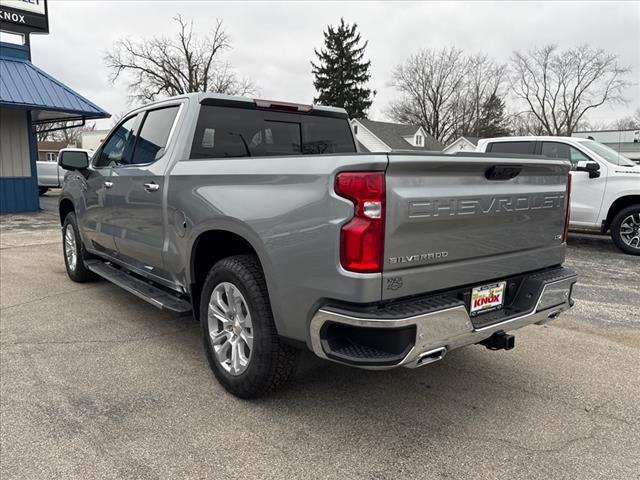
x=455 y=220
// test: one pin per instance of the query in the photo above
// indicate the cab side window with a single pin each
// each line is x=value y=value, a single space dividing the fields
x=154 y=135
x=555 y=150
x=118 y=148
x=563 y=151
x=522 y=148
x=577 y=156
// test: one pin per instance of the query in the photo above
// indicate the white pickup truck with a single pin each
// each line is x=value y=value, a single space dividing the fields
x=605 y=185
x=50 y=174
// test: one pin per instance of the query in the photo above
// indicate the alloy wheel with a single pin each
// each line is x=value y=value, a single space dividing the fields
x=630 y=230
x=70 y=247
x=230 y=328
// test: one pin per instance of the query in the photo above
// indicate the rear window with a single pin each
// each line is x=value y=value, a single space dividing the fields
x=224 y=132
x=512 y=147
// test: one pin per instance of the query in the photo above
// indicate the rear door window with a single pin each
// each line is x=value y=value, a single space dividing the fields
x=224 y=132
x=521 y=147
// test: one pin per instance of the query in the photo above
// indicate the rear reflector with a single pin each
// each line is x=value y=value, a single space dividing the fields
x=362 y=238
x=567 y=209
x=285 y=106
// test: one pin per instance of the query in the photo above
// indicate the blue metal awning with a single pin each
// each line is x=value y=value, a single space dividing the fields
x=25 y=86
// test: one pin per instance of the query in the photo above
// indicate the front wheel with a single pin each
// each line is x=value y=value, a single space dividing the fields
x=240 y=339
x=625 y=229
x=74 y=251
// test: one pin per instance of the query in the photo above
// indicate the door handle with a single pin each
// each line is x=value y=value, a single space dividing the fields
x=108 y=184
x=151 y=187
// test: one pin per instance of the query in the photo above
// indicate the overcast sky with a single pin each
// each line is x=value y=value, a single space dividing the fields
x=273 y=42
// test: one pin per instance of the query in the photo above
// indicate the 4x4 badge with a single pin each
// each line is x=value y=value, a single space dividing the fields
x=394 y=283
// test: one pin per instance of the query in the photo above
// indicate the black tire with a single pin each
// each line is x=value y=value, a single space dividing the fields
x=42 y=190
x=271 y=362
x=616 y=225
x=77 y=272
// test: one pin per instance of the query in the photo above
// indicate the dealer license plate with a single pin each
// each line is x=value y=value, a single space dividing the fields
x=487 y=298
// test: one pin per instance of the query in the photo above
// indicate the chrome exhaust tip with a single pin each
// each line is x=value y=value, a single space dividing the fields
x=431 y=356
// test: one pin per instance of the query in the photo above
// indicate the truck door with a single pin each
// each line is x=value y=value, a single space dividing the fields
x=95 y=219
x=135 y=199
x=586 y=193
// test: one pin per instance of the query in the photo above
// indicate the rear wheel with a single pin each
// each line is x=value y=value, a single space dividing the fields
x=625 y=229
x=240 y=339
x=74 y=251
x=42 y=190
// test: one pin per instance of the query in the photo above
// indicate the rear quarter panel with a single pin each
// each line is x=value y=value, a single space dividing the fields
x=286 y=208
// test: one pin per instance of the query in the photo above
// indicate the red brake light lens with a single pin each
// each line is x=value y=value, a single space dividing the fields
x=362 y=238
x=285 y=106
x=567 y=209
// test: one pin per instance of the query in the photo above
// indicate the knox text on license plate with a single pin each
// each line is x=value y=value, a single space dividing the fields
x=487 y=298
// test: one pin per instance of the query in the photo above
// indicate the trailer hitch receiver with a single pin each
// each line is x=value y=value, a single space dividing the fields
x=499 y=341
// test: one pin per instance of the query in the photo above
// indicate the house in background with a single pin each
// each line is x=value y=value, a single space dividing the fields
x=90 y=140
x=48 y=151
x=626 y=142
x=388 y=137
x=462 y=144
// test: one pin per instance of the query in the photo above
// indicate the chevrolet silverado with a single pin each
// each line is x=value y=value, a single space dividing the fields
x=263 y=220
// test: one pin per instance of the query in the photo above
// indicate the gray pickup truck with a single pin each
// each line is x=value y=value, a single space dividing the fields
x=263 y=220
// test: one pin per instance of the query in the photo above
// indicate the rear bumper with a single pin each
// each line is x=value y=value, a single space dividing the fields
x=419 y=331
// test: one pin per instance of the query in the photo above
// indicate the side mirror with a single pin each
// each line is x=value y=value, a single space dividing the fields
x=73 y=160
x=592 y=168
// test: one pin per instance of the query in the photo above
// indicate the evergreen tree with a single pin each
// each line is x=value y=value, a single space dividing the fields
x=492 y=122
x=341 y=73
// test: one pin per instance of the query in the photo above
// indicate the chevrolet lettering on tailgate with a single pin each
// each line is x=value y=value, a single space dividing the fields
x=484 y=206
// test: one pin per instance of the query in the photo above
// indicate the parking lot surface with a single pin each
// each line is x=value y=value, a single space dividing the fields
x=96 y=383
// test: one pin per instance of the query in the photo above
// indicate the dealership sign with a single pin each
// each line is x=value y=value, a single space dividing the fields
x=24 y=16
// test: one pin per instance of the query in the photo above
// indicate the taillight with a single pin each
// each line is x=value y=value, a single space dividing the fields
x=362 y=238
x=567 y=209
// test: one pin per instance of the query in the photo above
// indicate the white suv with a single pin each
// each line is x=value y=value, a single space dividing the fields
x=605 y=190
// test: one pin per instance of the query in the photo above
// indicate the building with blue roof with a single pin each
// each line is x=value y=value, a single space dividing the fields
x=28 y=97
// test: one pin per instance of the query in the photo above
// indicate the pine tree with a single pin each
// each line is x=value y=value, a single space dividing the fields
x=492 y=122
x=341 y=73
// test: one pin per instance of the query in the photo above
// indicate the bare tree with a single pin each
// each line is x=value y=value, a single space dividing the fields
x=429 y=82
x=560 y=87
x=483 y=81
x=525 y=123
x=628 y=123
x=445 y=91
x=173 y=66
x=57 y=132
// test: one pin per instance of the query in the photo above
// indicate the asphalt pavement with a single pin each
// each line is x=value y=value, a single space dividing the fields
x=96 y=383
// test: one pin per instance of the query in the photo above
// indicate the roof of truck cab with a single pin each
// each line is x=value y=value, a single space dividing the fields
x=528 y=137
x=200 y=96
x=220 y=96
